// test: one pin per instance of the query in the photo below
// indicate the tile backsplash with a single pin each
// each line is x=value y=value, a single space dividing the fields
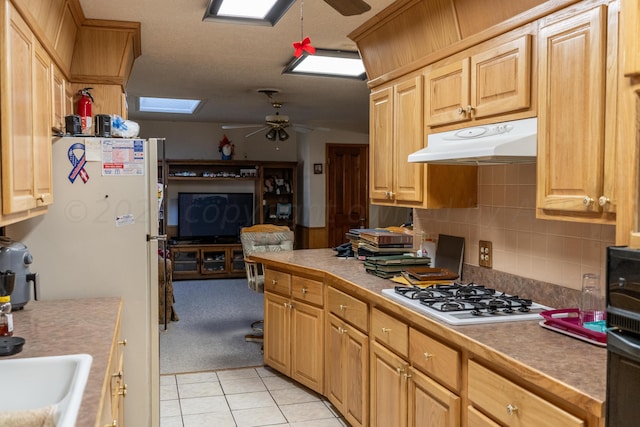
x=556 y=252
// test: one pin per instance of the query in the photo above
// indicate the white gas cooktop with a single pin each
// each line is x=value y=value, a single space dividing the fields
x=466 y=316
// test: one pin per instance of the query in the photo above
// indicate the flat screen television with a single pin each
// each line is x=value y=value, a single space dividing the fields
x=214 y=216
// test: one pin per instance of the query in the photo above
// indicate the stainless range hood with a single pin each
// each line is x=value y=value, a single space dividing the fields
x=498 y=143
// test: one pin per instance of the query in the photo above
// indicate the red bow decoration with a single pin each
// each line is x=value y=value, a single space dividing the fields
x=304 y=45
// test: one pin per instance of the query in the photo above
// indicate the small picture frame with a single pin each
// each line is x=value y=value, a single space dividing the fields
x=317 y=168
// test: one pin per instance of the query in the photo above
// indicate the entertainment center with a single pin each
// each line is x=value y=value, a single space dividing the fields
x=210 y=201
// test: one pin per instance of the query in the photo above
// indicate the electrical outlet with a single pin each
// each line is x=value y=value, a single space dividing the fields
x=486 y=254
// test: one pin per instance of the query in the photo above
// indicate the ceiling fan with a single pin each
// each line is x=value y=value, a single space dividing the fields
x=274 y=123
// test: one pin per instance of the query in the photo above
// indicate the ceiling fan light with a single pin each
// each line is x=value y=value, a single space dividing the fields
x=283 y=135
x=277 y=118
x=271 y=135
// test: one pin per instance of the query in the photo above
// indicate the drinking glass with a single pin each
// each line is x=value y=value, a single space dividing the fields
x=592 y=305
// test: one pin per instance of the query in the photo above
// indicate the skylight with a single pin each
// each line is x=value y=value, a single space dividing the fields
x=254 y=9
x=254 y=12
x=168 y=105
x=329 y=63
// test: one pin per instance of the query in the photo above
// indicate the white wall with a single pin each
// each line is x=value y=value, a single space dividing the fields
x=198 y=140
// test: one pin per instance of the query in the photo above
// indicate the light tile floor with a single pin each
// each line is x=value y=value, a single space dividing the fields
x=248 y=397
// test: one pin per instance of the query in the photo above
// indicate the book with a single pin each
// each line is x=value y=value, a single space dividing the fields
x=397 y=259
x=418 y=275
x=385 y=249
x=378 y=237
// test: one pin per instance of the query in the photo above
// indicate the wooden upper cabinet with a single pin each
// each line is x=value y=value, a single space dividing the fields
x=26 y=120
x=409 y=137
x=447 y=93
x=396 y=132
x=494 y=81
x=501 y=78
x=571 y=122
x=381 y=143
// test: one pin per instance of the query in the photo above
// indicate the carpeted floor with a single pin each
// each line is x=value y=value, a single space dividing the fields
x=214 y=317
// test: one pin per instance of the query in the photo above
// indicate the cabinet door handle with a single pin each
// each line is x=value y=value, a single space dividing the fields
x=123 y=391
x=587 y=201
x=123 y=342
x=427 y=355
x=342 y=330
x=400 y=369
x=512 y=409
x=41 y=197
x=385 y=330
x=602 y=201
x=287 y=305
x=274 y=282
x=343 y=307
x=117 y=374
x=304 y=291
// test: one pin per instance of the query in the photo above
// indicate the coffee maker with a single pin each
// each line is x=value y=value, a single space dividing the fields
x=15 y=257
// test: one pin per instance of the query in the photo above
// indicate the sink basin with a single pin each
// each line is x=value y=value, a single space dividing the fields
x=31 y=384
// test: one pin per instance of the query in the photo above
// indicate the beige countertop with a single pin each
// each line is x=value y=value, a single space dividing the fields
x=567 y=367
x=58 y=327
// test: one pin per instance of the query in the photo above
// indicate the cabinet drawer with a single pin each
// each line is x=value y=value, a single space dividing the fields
x=476 y=418
x=511 y=404
x=390 y=331
x=348 y=308
x=307 y=290
x=435 y=359
x=278 y=282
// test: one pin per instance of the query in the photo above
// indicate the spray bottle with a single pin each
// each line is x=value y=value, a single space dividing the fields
x=428 y=248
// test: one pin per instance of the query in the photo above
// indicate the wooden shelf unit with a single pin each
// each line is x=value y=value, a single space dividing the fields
x=275 y=202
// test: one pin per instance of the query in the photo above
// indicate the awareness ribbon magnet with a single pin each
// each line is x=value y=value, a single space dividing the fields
x=78 y=163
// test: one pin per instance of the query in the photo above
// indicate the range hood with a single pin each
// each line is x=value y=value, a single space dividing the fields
x=498 y=143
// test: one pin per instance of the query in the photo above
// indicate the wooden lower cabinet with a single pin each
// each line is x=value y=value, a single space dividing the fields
x=430 y=404
x=294 y=332
x=405 y=397
x=114 y=389
x=511 y=405
x=347 y=367
x=389 y=376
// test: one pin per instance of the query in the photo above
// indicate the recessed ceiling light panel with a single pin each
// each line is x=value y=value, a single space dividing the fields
x=328 y=63
x=252 y=12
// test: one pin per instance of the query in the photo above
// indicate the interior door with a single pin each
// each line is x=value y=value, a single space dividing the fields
x=347 y=190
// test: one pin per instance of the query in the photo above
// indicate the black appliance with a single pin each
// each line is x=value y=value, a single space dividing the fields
x=623 y=336
x=73 y=124
x=15 y=257
x=103 y=126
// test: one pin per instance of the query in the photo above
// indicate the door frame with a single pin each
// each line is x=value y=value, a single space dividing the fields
x=329 y=147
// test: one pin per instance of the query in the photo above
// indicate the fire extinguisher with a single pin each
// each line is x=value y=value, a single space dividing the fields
x=84 y=110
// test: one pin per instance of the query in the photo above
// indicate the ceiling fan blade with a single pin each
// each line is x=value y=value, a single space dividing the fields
x=349 y=7
x=242 y=126
x=256 y=131
x=306 y=129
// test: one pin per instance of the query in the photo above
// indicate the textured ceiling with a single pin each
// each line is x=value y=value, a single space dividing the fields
x=225 y=64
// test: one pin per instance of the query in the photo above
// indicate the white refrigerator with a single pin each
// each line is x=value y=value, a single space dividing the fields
x=98 y=239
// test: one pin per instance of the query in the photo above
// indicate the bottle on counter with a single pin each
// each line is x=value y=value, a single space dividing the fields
x=6 y=317
x=428 y=248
